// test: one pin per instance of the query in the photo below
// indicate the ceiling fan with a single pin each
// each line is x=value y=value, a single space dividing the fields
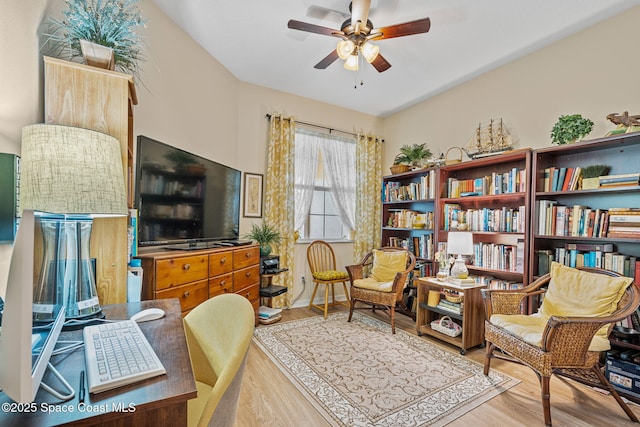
x=356 y=33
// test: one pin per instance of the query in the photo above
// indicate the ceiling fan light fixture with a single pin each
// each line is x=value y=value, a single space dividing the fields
x=345 y=48
x=351 y=63
x=370 y=52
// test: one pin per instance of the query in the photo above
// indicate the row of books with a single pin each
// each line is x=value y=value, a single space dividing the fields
x=424 y=189
x=406 y=218
x=497 y=256
x=587 y=255
x=452 y=307
x=513 y=181
x=624 y=222
x=561 y=179
x=583 y=221
x=619 y=180
x=420 y=246
x=509 y=220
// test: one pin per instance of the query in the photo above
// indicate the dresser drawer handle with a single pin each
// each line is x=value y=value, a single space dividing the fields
x=223 y=283
x=223 y=260
x=186 y=294
x=248 y=273
x=247 y=254
x=186 y=267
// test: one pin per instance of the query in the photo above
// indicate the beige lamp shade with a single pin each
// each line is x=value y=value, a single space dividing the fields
x=71 y=170
x=460 y=243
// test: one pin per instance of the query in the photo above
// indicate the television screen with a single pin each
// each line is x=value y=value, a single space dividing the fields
x=182 y=197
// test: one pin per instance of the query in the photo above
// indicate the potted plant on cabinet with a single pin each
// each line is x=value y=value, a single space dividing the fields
x=103 y=32
x=410 y=156
x=265 y=235
x=570 y=128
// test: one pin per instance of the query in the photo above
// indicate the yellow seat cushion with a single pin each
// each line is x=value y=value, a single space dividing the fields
x=571 y=293
x=372 y=284
x=330 y=275
x=387 y=264
x=530 y=329
x=196 y=406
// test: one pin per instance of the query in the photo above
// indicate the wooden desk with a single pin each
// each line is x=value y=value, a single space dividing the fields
x=153 y=402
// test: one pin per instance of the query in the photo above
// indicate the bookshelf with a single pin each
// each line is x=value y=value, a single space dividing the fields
x=408 y=221
x=490 y=197
x=591 y=227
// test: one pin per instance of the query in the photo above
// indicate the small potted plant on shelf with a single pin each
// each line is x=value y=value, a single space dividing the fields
x=265 y=235
x=410 y=156
x=570 y=128
x=591 y=176
x=103 y=32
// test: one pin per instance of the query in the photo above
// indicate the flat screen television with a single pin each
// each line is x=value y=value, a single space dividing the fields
x=184 y=200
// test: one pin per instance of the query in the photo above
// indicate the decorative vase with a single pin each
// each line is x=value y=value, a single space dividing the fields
x=265 y=250
x=97 y=55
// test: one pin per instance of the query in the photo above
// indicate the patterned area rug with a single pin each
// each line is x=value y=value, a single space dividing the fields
x=359 y=374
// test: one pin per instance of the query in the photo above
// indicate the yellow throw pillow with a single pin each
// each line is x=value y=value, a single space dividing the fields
x=573 y=292
x=387 y=264
x=330 y=275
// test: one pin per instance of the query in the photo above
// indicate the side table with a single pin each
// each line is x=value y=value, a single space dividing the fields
x=471 y=318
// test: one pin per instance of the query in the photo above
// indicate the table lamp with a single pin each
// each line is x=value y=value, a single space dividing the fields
x=459 y=243
x=69 y=175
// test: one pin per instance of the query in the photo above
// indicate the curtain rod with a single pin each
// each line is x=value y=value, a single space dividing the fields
x=268 y=116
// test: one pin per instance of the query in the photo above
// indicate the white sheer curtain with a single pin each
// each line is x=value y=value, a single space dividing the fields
x=339 y=161
x=306 y=161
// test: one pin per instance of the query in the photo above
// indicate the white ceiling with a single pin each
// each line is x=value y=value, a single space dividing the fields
x=467 y=38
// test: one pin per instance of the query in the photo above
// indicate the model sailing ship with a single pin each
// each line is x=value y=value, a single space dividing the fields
x=490 y=139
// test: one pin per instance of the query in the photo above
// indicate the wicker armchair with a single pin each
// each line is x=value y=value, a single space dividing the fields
x=383 y=288
x=568 y=345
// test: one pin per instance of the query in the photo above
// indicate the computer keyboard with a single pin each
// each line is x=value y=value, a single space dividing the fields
x=118 y=354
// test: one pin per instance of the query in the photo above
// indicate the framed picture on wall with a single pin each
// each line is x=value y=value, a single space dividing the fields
x=252 y=195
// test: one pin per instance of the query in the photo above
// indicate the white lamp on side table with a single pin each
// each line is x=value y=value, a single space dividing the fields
x=460 y=243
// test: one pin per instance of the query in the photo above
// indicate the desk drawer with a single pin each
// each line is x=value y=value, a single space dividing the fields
x=245 y=277
x=220 y=285
x=220 y=263
x=245 y=257
x=251 y=292
x=189 y=295
x=177 y=271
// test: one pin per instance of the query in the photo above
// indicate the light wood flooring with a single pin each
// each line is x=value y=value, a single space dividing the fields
x=268 y=398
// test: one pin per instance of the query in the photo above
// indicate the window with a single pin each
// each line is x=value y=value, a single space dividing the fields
x=324 y=185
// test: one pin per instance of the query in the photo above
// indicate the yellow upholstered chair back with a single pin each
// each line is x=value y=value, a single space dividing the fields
x=218 y=333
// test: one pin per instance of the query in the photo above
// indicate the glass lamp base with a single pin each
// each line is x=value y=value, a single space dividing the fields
x=459 y=269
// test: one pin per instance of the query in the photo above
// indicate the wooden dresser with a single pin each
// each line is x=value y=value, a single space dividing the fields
x=195 y=276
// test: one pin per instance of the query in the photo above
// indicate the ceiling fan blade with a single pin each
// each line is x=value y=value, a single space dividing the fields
x=381 y=64
x=328 y=60
x=399 y=30
x=312 y=28
x=360 y=11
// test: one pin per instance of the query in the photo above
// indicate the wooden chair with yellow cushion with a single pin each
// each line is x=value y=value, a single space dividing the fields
x=322 y=263
x=390 y=268
x=218 y=333
x=568 y=333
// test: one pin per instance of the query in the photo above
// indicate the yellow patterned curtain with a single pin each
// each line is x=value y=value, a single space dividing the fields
x=368 y=190
x=279 y=198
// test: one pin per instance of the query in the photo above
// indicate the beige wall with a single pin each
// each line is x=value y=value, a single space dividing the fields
x=590 y=73
x=191 y=101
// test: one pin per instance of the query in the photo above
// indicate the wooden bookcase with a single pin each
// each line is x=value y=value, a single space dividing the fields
x=622 y=154
x=408 y=220
x=490 y=197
